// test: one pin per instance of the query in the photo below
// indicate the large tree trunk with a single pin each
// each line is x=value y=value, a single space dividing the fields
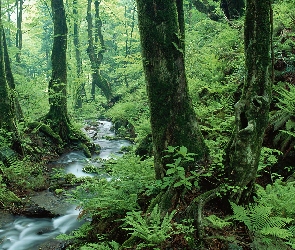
x=10 y=81
x=173 y=120
x=7 y=112
x=57 y=116
x=252 y=109
x=95 y=52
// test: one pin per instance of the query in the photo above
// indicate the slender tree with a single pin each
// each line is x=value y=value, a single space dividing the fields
x=96 y=49
x=252 y=110
x=80 y=92
x=173 y=121
x=19 y=33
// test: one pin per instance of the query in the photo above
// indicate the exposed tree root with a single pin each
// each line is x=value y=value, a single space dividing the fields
x=195 y=209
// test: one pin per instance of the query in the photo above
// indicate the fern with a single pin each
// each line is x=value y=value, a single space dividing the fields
x=258 y=220
x=153 y=229
x=280 y=196
x=282 y=119
x=277 y=232
x=101 y=246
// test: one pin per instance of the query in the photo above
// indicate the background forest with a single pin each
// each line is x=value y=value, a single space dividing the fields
x=105 y=80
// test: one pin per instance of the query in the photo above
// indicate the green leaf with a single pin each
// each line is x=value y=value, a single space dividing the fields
x=182 y=150
x=177 y=184
x=170 y=171
x=177 y=161
x=170 y=149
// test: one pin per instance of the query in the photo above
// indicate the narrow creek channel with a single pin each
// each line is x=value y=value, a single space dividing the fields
x=23 y=233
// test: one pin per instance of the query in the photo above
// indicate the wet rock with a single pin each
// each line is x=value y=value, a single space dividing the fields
x=34 y=210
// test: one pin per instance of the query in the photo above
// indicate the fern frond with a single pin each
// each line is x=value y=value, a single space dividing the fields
x=258 y=219
x=259 y=216
x=277 y=232
x=279 y=119
x=241 y=214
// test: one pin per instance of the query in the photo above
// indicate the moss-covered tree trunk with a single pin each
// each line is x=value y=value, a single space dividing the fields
x=95 y=50
x=10 y=81
x=80 y=92
x=173 y=121
x=19 y=34
x=7 y=111
x=57 y=116
x=252 y=110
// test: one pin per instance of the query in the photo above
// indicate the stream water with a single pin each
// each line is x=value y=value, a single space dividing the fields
x=28 y=233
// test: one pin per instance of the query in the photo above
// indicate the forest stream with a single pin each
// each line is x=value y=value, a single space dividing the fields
x=24 y=233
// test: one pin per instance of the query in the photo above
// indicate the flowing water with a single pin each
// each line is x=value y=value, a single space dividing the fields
x=28 y=233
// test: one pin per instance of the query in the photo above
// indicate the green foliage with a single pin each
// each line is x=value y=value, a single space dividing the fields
x=33 y=97
x=187 y=228
x=134 y=109
x=176 y=175
x=112 y=245
x=258 y=219
x=5 y=138
x=216 y=222
x=90 y=169
x=153 y=228
x=80 y=233
x=119 y=193
x=283 y=118
x=267 y=229
x=279 y=196
x=268 y=158
x=284 y=30
x=23 y=175
x=7 y=198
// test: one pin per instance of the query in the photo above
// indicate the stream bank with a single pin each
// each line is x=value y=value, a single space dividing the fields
x=32 y=232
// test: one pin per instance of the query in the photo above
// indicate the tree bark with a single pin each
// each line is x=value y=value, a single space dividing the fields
x=94 y=52
x=19 y=34
x=80 y=92
x=57 y=116
x=173 y=120
x=252 y=110
x=10 y=81
x=7 y=112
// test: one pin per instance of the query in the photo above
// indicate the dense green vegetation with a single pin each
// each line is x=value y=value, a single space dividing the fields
x=126 y=211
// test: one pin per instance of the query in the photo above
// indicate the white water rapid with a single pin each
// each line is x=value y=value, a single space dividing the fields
x=28 y=233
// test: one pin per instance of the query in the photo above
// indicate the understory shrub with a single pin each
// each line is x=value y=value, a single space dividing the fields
x=24 y=175
x=119 y=193
x=283 y=119
x=7 y=198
